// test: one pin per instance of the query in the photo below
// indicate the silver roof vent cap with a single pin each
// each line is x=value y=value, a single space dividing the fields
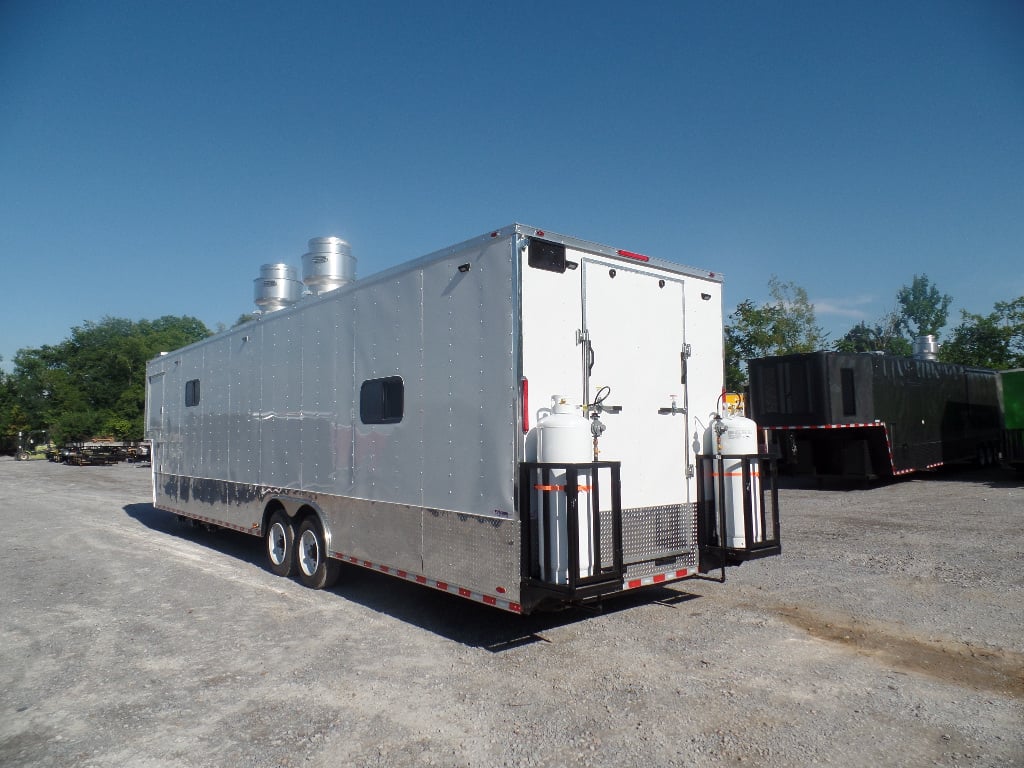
x=329 y=264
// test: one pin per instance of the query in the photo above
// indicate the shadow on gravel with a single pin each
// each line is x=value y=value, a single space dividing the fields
x=994 y=477
x=454 y=618
x=476 y=625
x=246 y=548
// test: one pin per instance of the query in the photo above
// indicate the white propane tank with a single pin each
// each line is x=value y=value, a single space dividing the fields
x=563 y=437
x=733 y=435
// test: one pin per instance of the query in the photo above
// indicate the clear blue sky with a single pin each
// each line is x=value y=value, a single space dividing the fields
x=154 y=154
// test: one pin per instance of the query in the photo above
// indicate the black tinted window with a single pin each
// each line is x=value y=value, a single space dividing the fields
x=192 y=392
x=382 y=401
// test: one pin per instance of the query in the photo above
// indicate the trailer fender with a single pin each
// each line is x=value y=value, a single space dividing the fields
x=296 y=508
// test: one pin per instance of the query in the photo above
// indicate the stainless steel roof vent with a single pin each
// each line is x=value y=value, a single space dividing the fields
x=926 y=348
x=276 y=287
x=328 y=265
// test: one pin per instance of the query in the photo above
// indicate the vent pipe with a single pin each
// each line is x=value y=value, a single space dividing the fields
x=276 y=287
x=328 y=265
x=926 y=348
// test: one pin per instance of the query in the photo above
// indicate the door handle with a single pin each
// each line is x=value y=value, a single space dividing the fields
x=673 y=410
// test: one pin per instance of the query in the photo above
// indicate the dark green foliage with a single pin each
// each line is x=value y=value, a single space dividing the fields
x=923 y=310
x=884 y=336
x=994 y=341
x=782 y=326
x=92 y=383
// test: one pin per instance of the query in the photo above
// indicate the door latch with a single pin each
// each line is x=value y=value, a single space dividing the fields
x=673 y=410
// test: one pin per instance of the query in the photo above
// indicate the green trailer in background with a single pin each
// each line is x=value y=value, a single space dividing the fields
x=1011 y=399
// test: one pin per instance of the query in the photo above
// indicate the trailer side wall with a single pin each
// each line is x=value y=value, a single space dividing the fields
x=276 y=414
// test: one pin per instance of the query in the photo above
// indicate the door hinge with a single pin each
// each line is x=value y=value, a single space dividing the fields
x=686 y=351
x=689 y=470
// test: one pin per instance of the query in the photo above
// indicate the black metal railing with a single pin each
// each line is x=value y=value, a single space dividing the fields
x=757 y=474
x=551 y=496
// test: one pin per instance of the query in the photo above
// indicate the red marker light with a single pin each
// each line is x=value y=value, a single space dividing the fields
x=540 y=233
x=631 y=255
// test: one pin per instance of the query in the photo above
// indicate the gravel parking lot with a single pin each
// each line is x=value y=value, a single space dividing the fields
x=887 y=634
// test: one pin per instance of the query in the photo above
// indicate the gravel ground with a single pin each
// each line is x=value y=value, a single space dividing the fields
x=887 y=634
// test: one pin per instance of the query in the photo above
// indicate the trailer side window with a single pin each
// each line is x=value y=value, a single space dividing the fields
x=545 y=255
x=849 y=394
x=382 y=401
x=191 y=392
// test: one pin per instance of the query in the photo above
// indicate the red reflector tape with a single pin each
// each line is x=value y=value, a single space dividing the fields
x=631 y=255
x=441 y=585
x=561 y=487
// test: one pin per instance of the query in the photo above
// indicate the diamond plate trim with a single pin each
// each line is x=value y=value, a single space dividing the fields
x=651 y=533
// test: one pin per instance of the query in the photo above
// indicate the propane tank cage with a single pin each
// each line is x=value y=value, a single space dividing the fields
x=537 y=508
x=711 y=521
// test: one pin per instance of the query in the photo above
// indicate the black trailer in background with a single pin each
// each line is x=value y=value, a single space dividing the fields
x=869 y=415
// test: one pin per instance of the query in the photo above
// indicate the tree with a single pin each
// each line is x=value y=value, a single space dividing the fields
x=11 y=419
x=784 y=325
x=923 y=310
x=884 y=336
x=995 y=340
x=94 y=382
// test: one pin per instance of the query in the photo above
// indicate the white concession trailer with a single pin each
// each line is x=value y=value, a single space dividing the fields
x=517 y=419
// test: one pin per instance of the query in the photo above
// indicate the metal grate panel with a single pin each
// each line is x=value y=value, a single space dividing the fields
x=651 y=533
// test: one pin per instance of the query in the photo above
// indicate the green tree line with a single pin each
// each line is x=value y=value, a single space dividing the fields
x=787 y=324
x=91 y=384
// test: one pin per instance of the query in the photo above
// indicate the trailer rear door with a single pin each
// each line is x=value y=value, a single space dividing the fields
x=634 y=344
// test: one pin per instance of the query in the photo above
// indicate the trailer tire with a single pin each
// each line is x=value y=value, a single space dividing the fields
x=281 y=544
x=315 y=568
